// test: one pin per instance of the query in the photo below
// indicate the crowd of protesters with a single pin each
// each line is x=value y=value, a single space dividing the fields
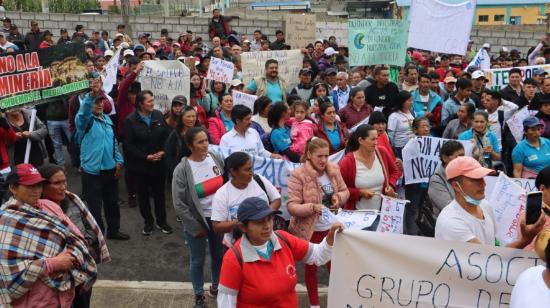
x=222 y=203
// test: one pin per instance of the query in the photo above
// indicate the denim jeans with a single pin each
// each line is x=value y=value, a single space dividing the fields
x=55 y=129
x=197 y=251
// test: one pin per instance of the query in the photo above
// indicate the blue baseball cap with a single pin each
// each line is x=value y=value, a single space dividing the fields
x=254 y=208
x=539 y=72
x=531 y=122
x=139 y=46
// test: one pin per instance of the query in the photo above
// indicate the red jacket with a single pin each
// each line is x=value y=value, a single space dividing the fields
x=123 y=105
x=348 y=171
x=7 y=136
x=216 y=128
x=342 y=131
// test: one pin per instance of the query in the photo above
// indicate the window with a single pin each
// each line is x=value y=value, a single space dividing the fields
x=499 y=17
x=483 y=18
x=515 y=20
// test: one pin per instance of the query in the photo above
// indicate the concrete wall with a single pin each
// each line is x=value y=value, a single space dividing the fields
x=520 y=37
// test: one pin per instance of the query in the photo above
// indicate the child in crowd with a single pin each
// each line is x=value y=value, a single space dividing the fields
x=302 y=127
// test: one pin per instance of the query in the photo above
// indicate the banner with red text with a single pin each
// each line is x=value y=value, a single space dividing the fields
x=31 y=77
x=373 y=269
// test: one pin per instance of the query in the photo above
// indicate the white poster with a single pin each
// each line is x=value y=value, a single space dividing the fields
x=357 y=220
x=391 y=215
x=165 y=79
x=441 y=27
x=290 y=63
x=383 y=270
x=515 y=123
x=110 y=72
x=241 y=98
x=220 y=70
x=325 y=29
x=526 y=184
x=299 y=30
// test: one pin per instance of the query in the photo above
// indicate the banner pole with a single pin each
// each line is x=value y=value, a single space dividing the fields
x=29 y=144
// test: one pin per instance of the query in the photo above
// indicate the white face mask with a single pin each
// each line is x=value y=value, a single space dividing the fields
x=469 y=199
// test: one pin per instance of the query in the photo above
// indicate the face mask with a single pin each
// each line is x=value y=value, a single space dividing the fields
x=469 y=199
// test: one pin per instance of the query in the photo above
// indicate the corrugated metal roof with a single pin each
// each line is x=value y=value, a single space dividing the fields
x=485 y=2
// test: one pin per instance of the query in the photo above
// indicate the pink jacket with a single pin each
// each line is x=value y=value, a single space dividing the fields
x=300 y=132
x=304 y=191
x=216 y=129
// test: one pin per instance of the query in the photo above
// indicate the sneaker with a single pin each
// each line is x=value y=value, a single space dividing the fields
x=200 y=301
x=212 y=292
x=118 y=236
x=147 y=230
x=164 y=228
x=132 y=201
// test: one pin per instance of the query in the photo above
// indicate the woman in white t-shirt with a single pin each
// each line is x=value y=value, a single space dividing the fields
x=195 y=180
x=241 y=183
x=400 y=122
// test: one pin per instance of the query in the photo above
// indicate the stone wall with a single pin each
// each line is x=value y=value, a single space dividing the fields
x=510 y=36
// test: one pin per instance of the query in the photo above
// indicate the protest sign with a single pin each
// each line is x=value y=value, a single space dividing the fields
x=526 y=184
x=515 y=123
x=241 y=98
x=421 y=157
x=290 y=63
x=372 y=269
x=498 y=78
x=391 y=215
x=377 y=41
x=441 y=27
x=326 y=29
x=299 y=30
x=356 y=220
x=481 y=60
x=165 y=79
x=508 y=202
x=110 y=72
x=42 y=75
x=220 y=70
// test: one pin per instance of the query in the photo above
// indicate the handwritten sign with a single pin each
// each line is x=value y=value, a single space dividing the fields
x=508 y=201
x=391 y=215
x=220 y=70
x=165 y=79
x=526 y=184
x=371 y=269
x=299 y=29
x=110 y=72
x=356 y=220
x=290 y=63
x=515 y=123
x=421 y=157
x=441 y=27
x=241 y=98
x=325 y=29
x=498 y=77
x=377 y=41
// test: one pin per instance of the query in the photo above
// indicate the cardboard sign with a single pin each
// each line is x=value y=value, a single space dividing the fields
x=299 y=30
x=325 y=29
x=290 y=63
x=165 y=79
x=241 y=98
x=220 y=70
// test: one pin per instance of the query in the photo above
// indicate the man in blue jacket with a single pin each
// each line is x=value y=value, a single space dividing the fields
x=426 y=103
x=100 y=160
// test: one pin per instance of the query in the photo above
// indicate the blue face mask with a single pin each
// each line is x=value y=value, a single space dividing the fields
x=469 y=199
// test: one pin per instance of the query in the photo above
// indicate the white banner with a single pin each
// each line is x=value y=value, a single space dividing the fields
x=110 y=72
x=421 y=157
x=441 y=27
x=515 y=123
x=165 y=79
x=241 y=98
x=290 y=63
x=326 y=29
x=527 y=184
x=498 y=78
x=220 y=70
x=371 y=269
x=481 y=60
x=508 y=202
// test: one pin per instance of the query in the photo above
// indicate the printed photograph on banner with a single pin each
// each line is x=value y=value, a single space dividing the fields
x=220 y=70
x=165 y=79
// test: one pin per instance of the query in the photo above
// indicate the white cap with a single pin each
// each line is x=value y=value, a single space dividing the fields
x=504 y=49
x=128 y=52
x=486 y=45
x=478 y=74
x=124 y=45
x=109 y=53
x=236 y=82
x=330 y=52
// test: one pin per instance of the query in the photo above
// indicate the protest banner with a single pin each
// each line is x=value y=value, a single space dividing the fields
x=325 y=29
x=481 y=60
x=515 y=123
x=290 y=63
x=527 y=184
x=441 y=27
x=508 y=202
x=299 y=30
x=372 y=269
x=110 y=72
x=377 y=41
x=241 y=98
x=498 y=78
x=391 y=215
x=40 y=76
x=421 y=157
x=165 y=79
x=220 y=70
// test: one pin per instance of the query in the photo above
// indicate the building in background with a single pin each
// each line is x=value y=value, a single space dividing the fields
x=503 y=12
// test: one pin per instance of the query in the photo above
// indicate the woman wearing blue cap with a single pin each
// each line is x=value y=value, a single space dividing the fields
x=532 y=154
x=260 y=270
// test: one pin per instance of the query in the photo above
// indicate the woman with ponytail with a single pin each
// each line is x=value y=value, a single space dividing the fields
x=368 y=170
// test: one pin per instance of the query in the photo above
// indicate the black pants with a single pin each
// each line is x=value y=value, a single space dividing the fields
x=82 y=300
x=129 y=176
x=101 y=192
x=148 y=185
x=416 y=194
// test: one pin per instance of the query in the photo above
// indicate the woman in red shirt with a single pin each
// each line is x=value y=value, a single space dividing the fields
x=260 y=270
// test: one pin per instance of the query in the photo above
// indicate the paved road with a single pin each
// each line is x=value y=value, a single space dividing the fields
x=158 y=257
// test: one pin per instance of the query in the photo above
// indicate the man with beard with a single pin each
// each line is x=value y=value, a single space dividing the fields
x=271 y=85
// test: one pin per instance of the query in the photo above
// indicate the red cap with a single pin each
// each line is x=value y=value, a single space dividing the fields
x=26 y=174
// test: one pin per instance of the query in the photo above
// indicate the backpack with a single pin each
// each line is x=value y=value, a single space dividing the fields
x=240 y=257
x=279 y=222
